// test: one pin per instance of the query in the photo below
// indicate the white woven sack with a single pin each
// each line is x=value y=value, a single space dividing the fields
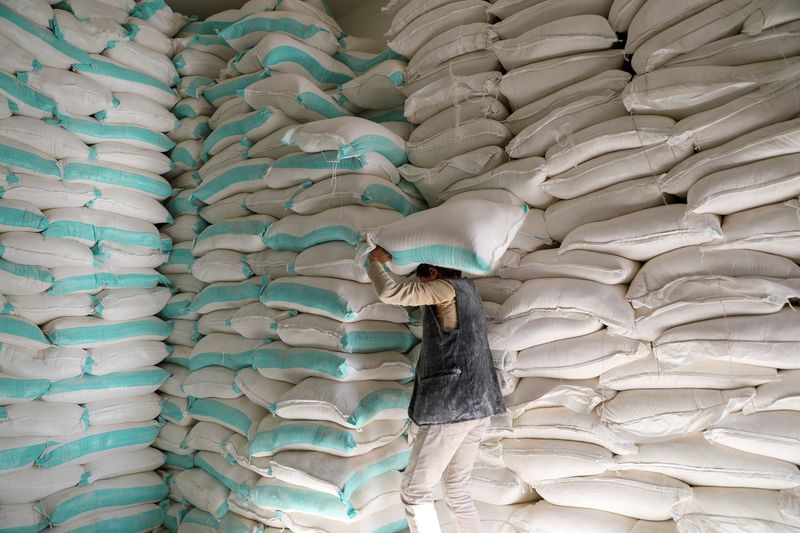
x=688 y=90
x=779 y=395
x=51 y=363
x=696 y=461
x=347 y=223
x=568 y=297
x=231 y=207
x=655 y=278
x=581 y=396
x=248 y=31
x=37 y=11
x=764 y=340
x=211 y=382
x=349 y=136
x=474 y=63
x=16 y=58
x=616 y=167
x=645 y=234
x=652 y=18
x=767 y=17
x=331 y=259
x=227 y=110
x=123 y=410
x=300 y=168
x=293 y=94
x=22 y=516
x=130 y=156
x=740 y=49
x=337 y=476
x=647 y=373
x=203 y=491
x=281 y=53
x=409 y=12
x=344 y=300
x=521 y=177
x=126 y=304
x=655 y=415
x=562 y=37
x=352 y=405
x=258 y=389
x=365 y=336
x=457 y=114
x=454 y=244
x=537 y=459
x=38 y=418
x=719 y=19
x=581 y=264
x=695 y=300
x=73 y=93
x=239 y=414
x=543 y=517
x=772 y=229
x=499 y=486
x=551 y=130
x=615 y=200
x=736 y=509
x=463 y=39
x=746 y=186
x=144 y=60
x=769 y=104
x=47 y=138
x=518 y=17
x=643 y=495
x=539 y=328
x=91 y=36
x=33 y=483
x=221 y=265
x=565 y=424
x=580 y=357
x=622 y=13
x=275 y=435
x=120 y=357
x=294 y=364
x=529 y=83
x=192 y=62
x=424 y=28
x=432 y=181
x=456 y=141
x=774 y=140
x=598 y=89
x=27 y=248
x=771 y=434
x=41 y=308
x=437 y=97
x=378 y=88
x=624 y=133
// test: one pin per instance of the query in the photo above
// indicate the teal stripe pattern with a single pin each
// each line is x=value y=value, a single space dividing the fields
x=21 y=94
x=319 y=361
x=81 y=172
x=135 y=437
x=302 y=433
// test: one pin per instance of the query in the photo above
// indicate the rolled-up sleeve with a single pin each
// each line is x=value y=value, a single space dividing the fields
x=413 y=293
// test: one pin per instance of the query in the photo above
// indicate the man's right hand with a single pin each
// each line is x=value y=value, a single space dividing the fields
x=380 y=255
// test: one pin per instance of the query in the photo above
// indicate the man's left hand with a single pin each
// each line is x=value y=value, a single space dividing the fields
x=380 y=255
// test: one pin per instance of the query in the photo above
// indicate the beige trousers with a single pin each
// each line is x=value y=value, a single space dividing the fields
x=447 y=452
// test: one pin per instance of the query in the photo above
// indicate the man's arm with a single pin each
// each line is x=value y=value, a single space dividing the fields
x=411 y=293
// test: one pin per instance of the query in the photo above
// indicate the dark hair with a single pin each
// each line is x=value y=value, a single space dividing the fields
x=424 y=270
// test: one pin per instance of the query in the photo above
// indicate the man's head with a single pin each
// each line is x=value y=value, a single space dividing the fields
x=427 y=273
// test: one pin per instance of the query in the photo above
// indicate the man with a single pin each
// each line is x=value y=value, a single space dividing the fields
x=455 y=391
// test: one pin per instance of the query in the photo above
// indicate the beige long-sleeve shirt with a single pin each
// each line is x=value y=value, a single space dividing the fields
x=437 y=293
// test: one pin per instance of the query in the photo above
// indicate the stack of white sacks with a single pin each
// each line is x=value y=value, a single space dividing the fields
x=288 y=396
x=86 y=91
x=639 y=320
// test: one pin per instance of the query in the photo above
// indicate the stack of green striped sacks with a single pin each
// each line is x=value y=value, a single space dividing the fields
x=289 y=388
x=86 y=90
x=640 y=320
